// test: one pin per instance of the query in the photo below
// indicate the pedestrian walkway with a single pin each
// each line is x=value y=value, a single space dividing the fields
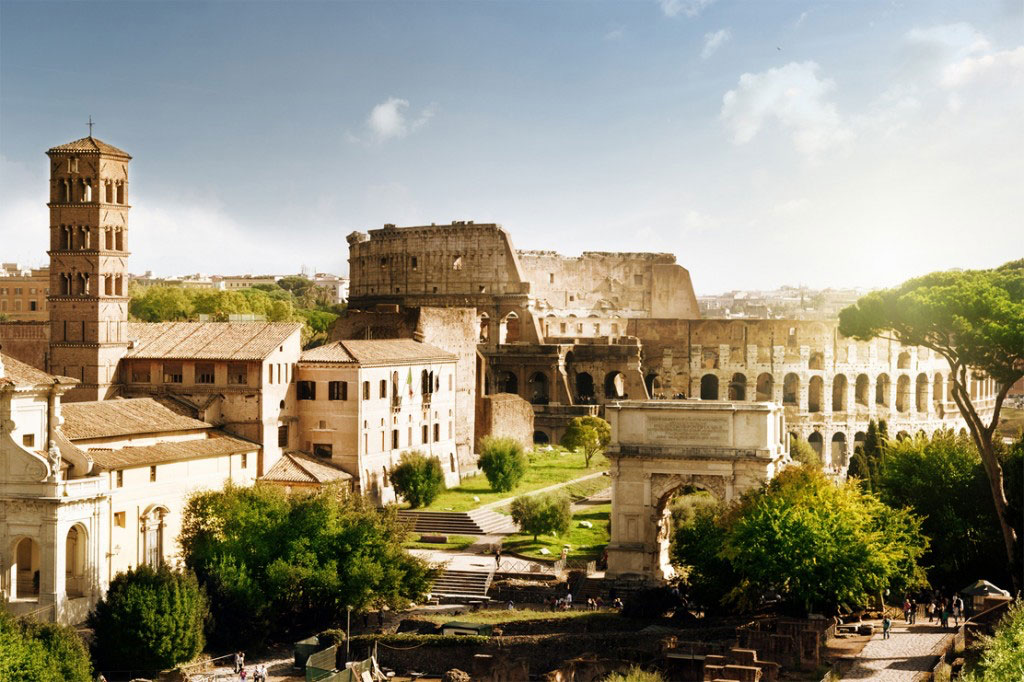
x=906 y=654
x=508 y=500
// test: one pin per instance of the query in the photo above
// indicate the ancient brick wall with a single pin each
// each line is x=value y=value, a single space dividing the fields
x=504 y=415
x=26 y=341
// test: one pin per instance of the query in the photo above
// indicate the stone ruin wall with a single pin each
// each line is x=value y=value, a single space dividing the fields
x=597 y=282
x=26 y=341
x=505 y=415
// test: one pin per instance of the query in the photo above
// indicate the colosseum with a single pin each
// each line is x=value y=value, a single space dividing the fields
x=570 y=334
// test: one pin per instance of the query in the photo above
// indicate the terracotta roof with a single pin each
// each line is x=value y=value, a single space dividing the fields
x=208 y=340
x=376 y=352
x=170 y=451
x=90 y=144
x=298 y=467
x=17 y=373
x=108 y=418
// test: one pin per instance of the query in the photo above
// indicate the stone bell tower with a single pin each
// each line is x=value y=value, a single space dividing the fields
x=88 y=296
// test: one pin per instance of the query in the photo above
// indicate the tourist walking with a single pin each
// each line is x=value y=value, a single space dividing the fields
x=931 y=609
x=906 y=610
x=497 y=558
x=944 y=618
x=913 y=611
x=956 y=611
x=239 y=660
x=886 y=625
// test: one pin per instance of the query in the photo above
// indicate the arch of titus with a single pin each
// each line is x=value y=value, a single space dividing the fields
x=660 y=447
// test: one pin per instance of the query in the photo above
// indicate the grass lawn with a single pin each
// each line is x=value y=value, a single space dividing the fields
x=497 y=617
x=456 y=543
x=584 y=543
x=546 y=468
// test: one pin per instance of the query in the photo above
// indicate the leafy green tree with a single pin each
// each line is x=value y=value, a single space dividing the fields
x=161 y=304
x=41 y=652
x=636 y=674
x=866 y=463
x=418 y=478
x=975 y=320
x=589 y=435
x=1002 y=657
x=151 y=619
x=696 y=550
x=542 y=514
x=273 y=563
x=803 y=452
x=503 y=462
x=819 y=544
x=943 y=481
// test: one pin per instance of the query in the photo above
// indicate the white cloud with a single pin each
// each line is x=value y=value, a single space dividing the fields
x=615 y=34
x=800 y=20
x=795 y=97
x=959 y=39
x=389 y=120
x=1005 y=67
x=690 y=8
x=713 y=41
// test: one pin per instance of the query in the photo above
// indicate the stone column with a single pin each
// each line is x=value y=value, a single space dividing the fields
x=805 y=385
x=826 y=397
x=52 y=561
x=890 y=400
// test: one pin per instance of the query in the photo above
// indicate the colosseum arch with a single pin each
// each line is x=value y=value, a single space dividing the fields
x=903 y=393
x=882 y=388
x=903 y=360
x=538 y=389
x=508 y=382
x=816 y=441
x=653 y=384
x=709 y=387
x=938 y=391
x=861 y=389
x=921 y=393
x=738 y=387
x=840 y=455
x=815 y=389
x=614 y=385
x=584 y=386
x=839 y=393
x=791 y=389
x=510 y=330
x=765 y=387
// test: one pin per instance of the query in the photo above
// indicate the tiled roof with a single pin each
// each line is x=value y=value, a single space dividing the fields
x=297 y=467
x=109 y=418
x=90 y=144
x=376 y=352
x=171 y=451
x=208 y=340
x=18 y=373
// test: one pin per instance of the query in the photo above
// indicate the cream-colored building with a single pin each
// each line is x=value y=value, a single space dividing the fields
x=91 y=489
x=23 y=293
x=362 y=404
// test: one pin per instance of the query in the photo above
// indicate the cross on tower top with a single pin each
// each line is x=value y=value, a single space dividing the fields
x=90 y=124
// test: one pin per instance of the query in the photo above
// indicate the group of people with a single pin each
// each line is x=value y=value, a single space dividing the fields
x=939 y=609
x=259 y=671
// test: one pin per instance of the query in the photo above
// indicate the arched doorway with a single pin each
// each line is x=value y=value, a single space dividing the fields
x=882 y=390
x=839 y=393
x=653 y=385
x=584 y=387
x=614 y=386
x=510 y=329
x=817 y=442
x=664 y=489
x=738 y=387
x=25 y=570
x=765 y=387
x=537 y=387
x=860 y=395
x=859 y=439
x=921 y=393
x=508 y=383
x=903 y=393
x=75 y=545
x=791 y=389
x=540 y=438
x=840 y=457
x=709 y=387
x=815 y=388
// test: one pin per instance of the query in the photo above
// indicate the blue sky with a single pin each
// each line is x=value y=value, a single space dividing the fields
x=764 y=143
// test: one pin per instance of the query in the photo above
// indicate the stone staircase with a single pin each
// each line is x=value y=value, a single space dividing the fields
x=453 y=584
x=478 y=522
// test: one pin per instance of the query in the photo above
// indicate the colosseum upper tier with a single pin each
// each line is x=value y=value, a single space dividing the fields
x=570 y=334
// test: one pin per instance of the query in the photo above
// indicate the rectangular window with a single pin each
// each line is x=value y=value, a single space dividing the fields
x=337 y=390
x=561 y=327
x=437 y=432
x=638 y=280
x=383 y=389
x=451 y=381
x=33 y=305
x=551 y=278
x=282 y=436
x=426 y=433
x=238 y=373
x=152 y=474
x=366 y=390
x=394 y=439
x=120 y=478
x=323 y=450
x=270 y=374
x=307 y=390
x=140 y=372
x=119 y=518
x=29 y=440
x=204 y=373
x=172 y=372
x=245 y=460
x=415 y=264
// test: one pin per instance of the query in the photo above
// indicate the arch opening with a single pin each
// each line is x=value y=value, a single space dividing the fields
x=765 y=387
x=614 y=385
x=738 y=387
x=584 y=387
x=709 y=387
x=75 y=545
x=815 y=388
x=839 y=387
x=791 y=389
x=903 y=394
x=861 y=390
x=538 y=388
x=540 y=438
x=25 y=570
x=508 y=383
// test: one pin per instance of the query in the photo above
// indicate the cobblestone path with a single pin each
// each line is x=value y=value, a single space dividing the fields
x=907 y=653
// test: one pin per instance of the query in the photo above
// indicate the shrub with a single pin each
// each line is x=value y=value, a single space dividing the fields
x=503 y=463
x=635 y=674
x=1001 y=659
x=589 y=435
x=801 y=451
x=41 y=652
x=418 y=478
x=542 y=514
x=150 y=619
